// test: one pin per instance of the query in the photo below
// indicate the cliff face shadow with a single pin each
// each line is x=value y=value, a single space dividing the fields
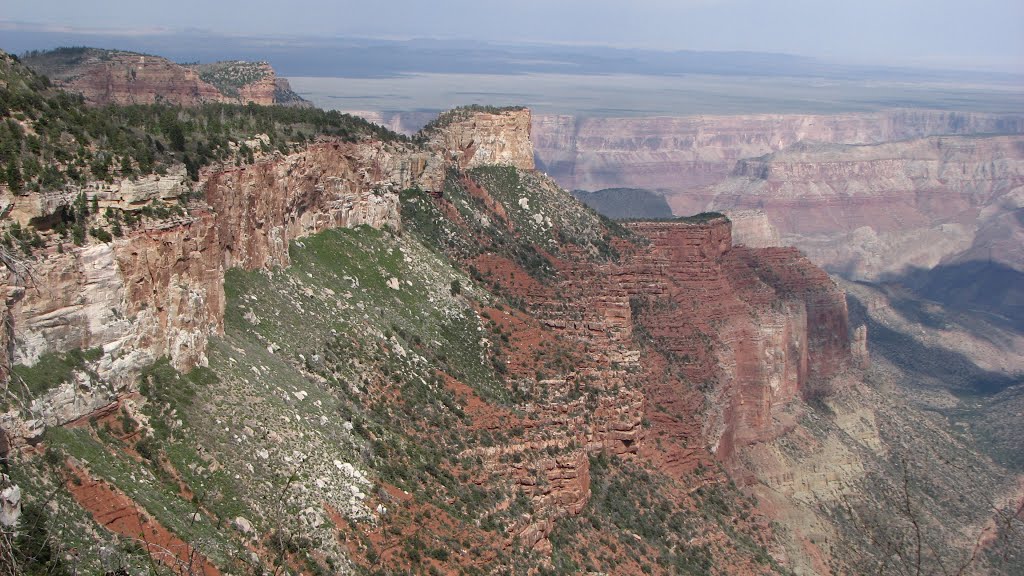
x=981 y=298
x=975 y=286
x=927 y=366
x=626 y=203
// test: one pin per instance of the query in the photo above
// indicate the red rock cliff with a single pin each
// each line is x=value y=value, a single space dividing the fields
x=260 y=208
x=751 y=327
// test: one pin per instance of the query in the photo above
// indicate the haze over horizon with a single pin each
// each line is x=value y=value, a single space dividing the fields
x=943 y=34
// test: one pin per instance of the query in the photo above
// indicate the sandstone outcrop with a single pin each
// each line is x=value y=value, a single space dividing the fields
x=261 y=208
x=748 y=330
x=473 y=139
x=158 y=291
x=753 y=328
x=123 y=194
x=753 y=229
x=10 y=503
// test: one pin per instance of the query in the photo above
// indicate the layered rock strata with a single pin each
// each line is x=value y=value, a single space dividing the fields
x=683 y=154
x=754 y=328
x=158 y=291
x=868 y=211
x=739 y=332
x=749 y=331
x=865 y=195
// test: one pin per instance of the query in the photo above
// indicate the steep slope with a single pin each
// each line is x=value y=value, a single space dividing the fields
x=118 y=77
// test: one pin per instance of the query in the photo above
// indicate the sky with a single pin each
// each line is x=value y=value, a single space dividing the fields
x=966 y=34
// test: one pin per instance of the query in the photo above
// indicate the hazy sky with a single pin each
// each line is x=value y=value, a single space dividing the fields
x=986 y=34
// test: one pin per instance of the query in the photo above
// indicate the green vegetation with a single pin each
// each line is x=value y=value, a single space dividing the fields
x=459 y=114
x=25 y=239
x=353 y=337
x=535 y=217
x=637 y=516
x=49 y=138
x=53 y=62
x=149 y=485
x=52 y=370
x=229 y=76
x=485 y=233
x=34 y=546
x=546 y=215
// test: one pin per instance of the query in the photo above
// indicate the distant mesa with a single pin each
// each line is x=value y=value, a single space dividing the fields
x=105 y=76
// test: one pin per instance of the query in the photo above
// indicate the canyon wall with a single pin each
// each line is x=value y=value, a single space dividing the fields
x=871 y=210
x=681 y=154
x=865 y=195
x=260 y=208
x=709 y=342
x=754 y=328
x=670 y=330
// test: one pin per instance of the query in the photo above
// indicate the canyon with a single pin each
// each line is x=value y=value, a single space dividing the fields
x=868 y=196
x=413 y=354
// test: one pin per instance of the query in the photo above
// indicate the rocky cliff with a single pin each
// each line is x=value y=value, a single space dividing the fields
x=119 y=77
x=769 y=325
x=158 y=291
x=477 y=138
x=260 y=209
x=753 y=229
